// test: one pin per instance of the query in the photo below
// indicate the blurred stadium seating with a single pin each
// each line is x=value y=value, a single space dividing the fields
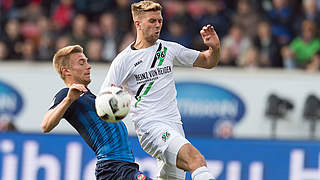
x=269 y=47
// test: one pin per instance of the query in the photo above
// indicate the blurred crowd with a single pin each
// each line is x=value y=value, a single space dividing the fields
x=253 y=33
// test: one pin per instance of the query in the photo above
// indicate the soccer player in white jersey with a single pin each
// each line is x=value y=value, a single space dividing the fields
x=145 y=69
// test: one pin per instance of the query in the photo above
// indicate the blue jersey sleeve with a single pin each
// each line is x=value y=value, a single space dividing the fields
x=59 y=97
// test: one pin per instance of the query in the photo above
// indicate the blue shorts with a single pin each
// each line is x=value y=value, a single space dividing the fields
x=119 y=170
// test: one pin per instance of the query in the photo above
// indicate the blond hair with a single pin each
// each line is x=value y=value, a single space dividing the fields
x=62 y=58
x=139 y=8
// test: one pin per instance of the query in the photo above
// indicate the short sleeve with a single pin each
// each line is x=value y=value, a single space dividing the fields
x=117 y=73
x=58 y=98
x=294 y=45
x=184 y=56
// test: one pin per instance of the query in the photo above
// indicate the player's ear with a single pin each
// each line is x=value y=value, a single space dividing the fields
x=137 y=23
x=65 y=71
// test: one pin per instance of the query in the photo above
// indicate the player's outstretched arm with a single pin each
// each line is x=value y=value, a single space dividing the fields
x=52 y=118
x=209 y=58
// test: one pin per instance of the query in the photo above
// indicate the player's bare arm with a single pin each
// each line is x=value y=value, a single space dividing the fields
x=52 y=118
x=209 y=58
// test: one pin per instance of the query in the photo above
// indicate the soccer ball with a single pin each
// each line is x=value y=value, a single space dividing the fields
x=112 y=104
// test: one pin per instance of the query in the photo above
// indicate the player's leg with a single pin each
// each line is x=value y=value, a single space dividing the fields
x=184 y=155
x=166 y=142
x=167 y=166
x=119 y=170
x=169 y=171
x=190 y=159
x=155 y=140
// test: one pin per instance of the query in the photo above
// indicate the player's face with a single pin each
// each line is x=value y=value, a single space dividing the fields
x=80 y=69
x=151 y=24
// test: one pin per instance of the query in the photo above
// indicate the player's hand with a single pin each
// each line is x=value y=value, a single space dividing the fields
x=75 y=91
x=113 y=85
x=210 y=37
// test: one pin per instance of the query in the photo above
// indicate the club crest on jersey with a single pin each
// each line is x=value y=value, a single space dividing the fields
x=165 y=136
x=141 y=177
x=137 y=63
x=161 y=55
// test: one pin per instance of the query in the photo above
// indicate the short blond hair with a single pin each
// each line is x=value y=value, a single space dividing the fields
x=62 y=58
x=139 y=8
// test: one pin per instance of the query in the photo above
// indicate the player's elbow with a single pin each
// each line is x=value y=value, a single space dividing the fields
x=207 y=61
x=44 y=128
x=45 y=131
x=210 y=66
x=213 y=62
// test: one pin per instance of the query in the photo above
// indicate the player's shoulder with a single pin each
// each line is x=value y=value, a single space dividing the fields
x=169 y=43
x=123 y=55
x=62 y=93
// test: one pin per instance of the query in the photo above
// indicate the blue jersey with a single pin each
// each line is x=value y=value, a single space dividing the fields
x=109 y=141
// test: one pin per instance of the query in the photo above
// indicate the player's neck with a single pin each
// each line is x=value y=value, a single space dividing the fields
x=141 y=43
x=68 y=83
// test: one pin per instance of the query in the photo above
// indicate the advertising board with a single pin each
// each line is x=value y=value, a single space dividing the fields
x=67 y=157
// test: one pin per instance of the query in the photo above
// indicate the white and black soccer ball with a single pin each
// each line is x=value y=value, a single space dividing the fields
x=113 y=104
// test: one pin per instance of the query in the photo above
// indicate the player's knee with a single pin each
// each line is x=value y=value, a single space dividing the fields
x=190 y=158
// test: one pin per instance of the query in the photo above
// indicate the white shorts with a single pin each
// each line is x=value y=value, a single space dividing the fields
x=163 y=141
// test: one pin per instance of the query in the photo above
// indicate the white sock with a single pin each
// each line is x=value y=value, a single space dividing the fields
x=202 y=173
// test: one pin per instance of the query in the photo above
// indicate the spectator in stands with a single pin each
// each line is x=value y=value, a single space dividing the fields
x=13 y=39
x=302 y=48
x=62 y=15
x=94 y=50
x=30 y=15
x=79 y=33
x=281 y=17
x=262 y=6
x=310 y=12
x=31 y=12
x=267 y=45
x=93 y=9
x=250 y=59
x=177 y=11
x=62 y=41
x=124 y=17
x=196 y=9
x=15 y=8
x=246 y=17
x=94 y=30
x=178 y=32
x=174 y=8
x=128 y=38
x=216 y=15
x=111 y=36
x=227 y=58
x=46 y=39
x=29 y=50
x=5 y=8
x=47 y=7
x=314 y=65
x=3 y=51
x=234 y=45
x=45 y=48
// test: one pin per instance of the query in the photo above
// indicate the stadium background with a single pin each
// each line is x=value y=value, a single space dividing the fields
x=223 y=109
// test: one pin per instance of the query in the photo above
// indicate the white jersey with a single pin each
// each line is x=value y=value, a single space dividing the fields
x=147 y=75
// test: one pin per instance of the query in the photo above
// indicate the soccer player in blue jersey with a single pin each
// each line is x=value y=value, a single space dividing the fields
x=76 y=104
